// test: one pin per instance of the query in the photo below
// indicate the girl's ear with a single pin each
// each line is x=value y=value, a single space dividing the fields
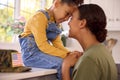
x=82 y=23
x=56 y=3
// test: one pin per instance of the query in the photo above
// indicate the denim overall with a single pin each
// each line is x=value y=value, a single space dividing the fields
x=34 y=57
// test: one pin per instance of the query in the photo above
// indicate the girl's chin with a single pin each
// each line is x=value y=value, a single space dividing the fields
x=60 y=21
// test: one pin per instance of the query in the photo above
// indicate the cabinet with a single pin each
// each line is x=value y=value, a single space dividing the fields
x=117 y=13
x=112 y=11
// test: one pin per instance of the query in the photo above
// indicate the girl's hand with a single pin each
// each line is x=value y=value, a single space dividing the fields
x=72 y=58
x=69 y=62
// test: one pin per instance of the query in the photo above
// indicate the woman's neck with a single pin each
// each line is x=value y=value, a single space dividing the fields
x=87 y=40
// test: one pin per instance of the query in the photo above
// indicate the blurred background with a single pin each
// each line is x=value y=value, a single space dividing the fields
x=14 y=14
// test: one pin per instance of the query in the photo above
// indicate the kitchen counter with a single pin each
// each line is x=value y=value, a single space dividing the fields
x=15 y=46
x=34 y=74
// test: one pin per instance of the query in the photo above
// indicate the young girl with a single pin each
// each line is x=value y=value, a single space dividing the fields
x=87 y=25
x=41 y=45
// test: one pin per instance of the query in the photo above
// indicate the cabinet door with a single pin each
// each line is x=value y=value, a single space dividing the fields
x=117 y=14
x=112 y=11
x=108 y=7
x=86 y=1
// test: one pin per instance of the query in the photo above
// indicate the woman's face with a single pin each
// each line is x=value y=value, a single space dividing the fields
x=62 y=12
x=74 y=24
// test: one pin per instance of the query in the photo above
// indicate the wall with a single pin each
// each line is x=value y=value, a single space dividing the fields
x=116 y=48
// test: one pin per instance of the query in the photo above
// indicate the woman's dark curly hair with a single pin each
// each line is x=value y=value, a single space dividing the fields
x=96 y=20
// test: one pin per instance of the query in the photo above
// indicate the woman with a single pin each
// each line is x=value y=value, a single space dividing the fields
x=87 y=25
x=41 y=45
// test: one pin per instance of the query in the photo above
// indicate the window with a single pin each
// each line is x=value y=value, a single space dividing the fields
x=6 y=17
x=6 y=10
x=12 y=11
x=31 y=7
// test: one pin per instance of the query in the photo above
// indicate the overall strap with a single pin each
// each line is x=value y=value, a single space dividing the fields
x=46 y=14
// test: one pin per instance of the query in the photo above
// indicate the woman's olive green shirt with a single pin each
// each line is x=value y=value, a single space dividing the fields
x=95 y=64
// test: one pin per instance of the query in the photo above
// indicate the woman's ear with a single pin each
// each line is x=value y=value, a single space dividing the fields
x=82 y=23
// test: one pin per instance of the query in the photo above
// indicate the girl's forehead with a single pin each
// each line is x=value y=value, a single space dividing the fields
x=76 y=13
x=68 y=7
x=72 y=8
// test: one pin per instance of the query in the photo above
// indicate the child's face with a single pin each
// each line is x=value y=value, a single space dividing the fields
x=74 y=24
x=62 y=12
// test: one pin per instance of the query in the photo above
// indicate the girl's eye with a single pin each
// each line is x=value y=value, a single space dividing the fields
x=67 y=14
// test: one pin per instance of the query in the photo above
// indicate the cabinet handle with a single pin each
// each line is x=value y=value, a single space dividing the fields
x=117 y=19
x=111 y=20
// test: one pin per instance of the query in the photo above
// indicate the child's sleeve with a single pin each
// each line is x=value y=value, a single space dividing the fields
x=58 y=43
x=38 y=25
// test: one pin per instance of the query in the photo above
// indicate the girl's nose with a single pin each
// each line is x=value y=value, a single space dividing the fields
x=66 y=18
x=69 y=23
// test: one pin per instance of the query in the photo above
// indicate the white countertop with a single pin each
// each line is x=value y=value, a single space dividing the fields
x=35 y=72
x=15 y=46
